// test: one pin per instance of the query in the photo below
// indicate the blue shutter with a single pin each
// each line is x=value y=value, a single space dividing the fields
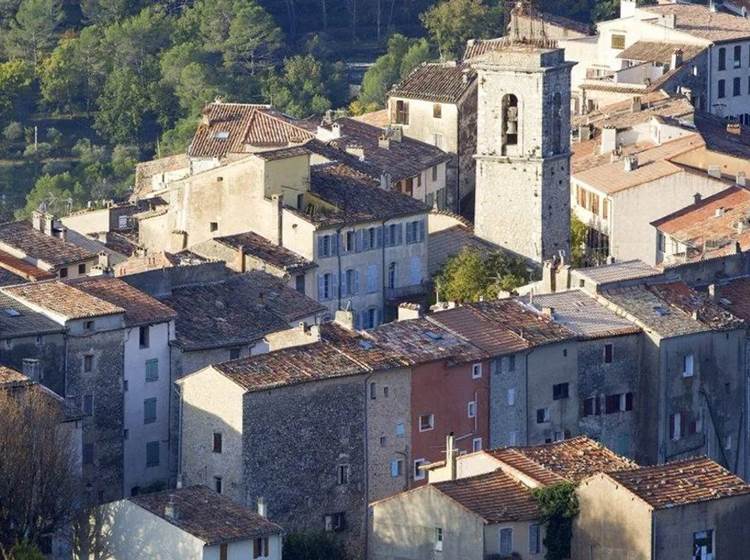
x=421 y=230
x=342 y=243
x=359 y=240
x=362 y=319
x=343 y=284
x=356 y=281
x=334 y=286
x=321 y=287
x=335 y=244
x=380 y=236
x=320 y=246
x=416 y=270
x=399 y=234
x=408 y=232
x=387 y=236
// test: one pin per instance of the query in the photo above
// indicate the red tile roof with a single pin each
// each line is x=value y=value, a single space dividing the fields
x=700 y=21
x=681 y=483
x=735 y=297
x=63 y=299
x=442 y=83
x=38 y=245
x=495 y=496
x=12 y=378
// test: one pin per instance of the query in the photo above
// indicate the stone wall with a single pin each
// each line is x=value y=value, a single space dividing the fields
x=49 y=349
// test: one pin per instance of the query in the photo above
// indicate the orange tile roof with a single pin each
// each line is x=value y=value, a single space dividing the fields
x=11 y=377
x=440 y=82
x=735 y=297
x=681 y=482
x=495 y=496
x=700 y=21
x=64 y=299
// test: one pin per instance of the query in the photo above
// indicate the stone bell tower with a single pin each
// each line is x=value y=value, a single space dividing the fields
x=523 y=148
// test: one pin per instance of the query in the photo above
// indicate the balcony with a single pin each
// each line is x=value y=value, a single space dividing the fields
x=403 y=292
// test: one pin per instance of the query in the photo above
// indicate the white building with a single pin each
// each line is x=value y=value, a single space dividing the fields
x=191 y=523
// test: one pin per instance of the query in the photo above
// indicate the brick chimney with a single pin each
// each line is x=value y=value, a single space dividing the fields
x=407 y=311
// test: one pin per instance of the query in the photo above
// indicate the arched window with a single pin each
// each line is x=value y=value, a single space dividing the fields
x=556 y=123
x=510 y=121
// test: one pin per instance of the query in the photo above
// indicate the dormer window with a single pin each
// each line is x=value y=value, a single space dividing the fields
x=221 y=135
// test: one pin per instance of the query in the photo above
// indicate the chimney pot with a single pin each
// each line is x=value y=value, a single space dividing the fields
x=741 y=179
x=677 y=57
x=631 y=163
x=636 y=105
x=734 y=128
x=719 y=212
x=697 y=198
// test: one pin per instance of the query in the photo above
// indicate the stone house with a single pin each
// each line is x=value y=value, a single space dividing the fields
x=116 y=351
x=691 y=508
x=191 y=523
x=437 y=104
x=692 y=370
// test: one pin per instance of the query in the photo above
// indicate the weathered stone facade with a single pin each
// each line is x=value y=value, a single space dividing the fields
x=523 y=150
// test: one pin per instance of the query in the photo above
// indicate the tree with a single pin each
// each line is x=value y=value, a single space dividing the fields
x=107 y=11
x=578 y=233
x=312 y=546
x=38 y=480
x=53 y=192
x=470 y=276
x=453 y=22
x=22 y=551
x=16 y=77
x=33 y=32
x=253 y=40
x=558 y=505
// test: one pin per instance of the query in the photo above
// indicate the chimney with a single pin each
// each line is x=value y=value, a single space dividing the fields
x=206 y=116
x=584 y=132
x=627 y=8
x=450 y=457
x=396 y=133
x=636 y=105
x=48 y=224
x=712 y=292
x=714 y=171
x=677 y=58
x=37 y=220
x=734 y=128
x=407 y=311
x=713 y=6
x=669 y=21
x=170 y=511
x=719 y=212
x=345 y=318
x=608 y=140
x=548 y=311
x=356 y=150
x=241 y=258
x=631 y=163
x=384 y=142
x=741 y=179
x=278 y=202
x=62 y=233
x=262 y=510
x=697 y=198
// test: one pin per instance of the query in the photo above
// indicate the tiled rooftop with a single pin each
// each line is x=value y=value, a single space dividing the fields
x=266 y=251
x=571 y=459
x=621 y=116
x=438 y=82
x=206 y=515
x=13 y=267
x=712 y=226
x=17 y=320
x=671 y=309
x=658 y=52
x=236 y=312
x=681 y=482
x=379 y=118
x=495 y=496
x=62 y=299
x=12 y=378
x=583 y=314
x=699 y=21
x=713 y=129
x=448 y=242
x=357 y=198
x=734 y=296
x=140 y=308
x=36 y=244
x=228 y=127
x=618 y=272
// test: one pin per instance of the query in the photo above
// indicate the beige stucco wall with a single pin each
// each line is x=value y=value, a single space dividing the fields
x=612 y=524
x=404 y=528
x=423 y=126
x=520 y=539
x=212 y=403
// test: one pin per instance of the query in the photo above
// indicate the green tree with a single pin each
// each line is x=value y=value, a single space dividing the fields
x=33 y=32
x=402 y=57
x=312 y=546
x=578 y=234
x=16 y=77
x=471 y=276
x=253 y=40
x=558 y=505
x=53 y=192
x=107 y=11
x=23 y=551
x=453 y=22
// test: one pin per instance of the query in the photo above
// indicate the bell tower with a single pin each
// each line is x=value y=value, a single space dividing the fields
x=523 y=148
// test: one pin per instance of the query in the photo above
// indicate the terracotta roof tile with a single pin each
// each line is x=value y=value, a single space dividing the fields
x=12 y=378
x=442 y=83
x=495 y=496
x=63 y=299
x=681 y=482
x=699 y=21
x=206 y=515
x=37 y=245
x=379 y=118
x=653 y=51
x=571 y=459
x=735 y=297
x=17 y=320
x=618 y=272
x=266 y=251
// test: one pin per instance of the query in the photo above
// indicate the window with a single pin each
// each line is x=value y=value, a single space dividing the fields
x=510 y=121
x=560 y=391
x=335 y=521
x=82 y=268
x=618 y=41
x=63 y=272
x=218 y=443
x=415 y=270
x=608 y=353
x=325 y=286
x=703 y=545
x=402 y=112
x=372 y=279
x=152 y=454
x=392 y=275
x=397 y=468
x=439 y=539
x=736 y=87
x=125 y=434
x=722 y=89
x=592 y=406
x=419 y=474
x=152 y=370
x=675 y=426
x=88 y=405
x=88 y=326
x=351 y=282
x=511 y=397
x=385 y=391
x=299 y=283
x=234 y=353
x=621 y=402
x=218 y=484
x=506 y=541
x=542 y=415
x=149 y=411
x=437 y=140
x=88 y=454
x=722 y=58
x=88 y=363
x=476 y=371
x=476 y=444
x=223 y=548
x=324 y=246
x=435 y=173
x=535 y=540
x=737 y=56
x=426 y=422
x=342 y=474
x=373 y=391
x=213 y=226
x=437 y=111
x=471 y=409
x=414 y=232
x=687 y=365
x=383 y=441
x=260 y=547
x=143 y=336
x=400 y=431
x=370 y=320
